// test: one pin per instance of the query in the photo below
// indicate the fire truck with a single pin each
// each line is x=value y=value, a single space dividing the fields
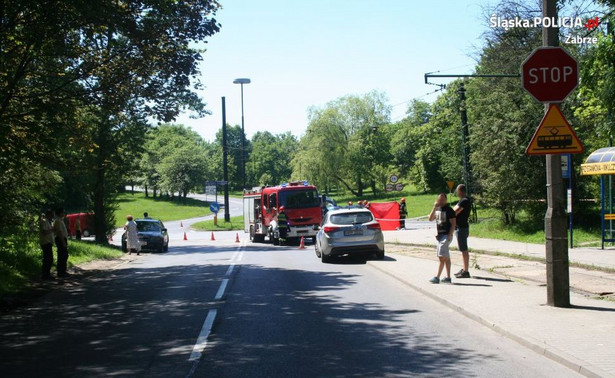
x=282 y=213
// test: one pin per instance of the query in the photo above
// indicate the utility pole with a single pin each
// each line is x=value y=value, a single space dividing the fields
x=465 y=139
x=558 y=280
x=227 y=215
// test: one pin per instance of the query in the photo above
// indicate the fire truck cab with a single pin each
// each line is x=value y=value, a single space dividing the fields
x=287 y=211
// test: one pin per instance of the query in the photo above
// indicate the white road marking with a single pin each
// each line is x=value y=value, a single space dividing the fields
x=201 y=341
x=221 y=289
x=230 y=270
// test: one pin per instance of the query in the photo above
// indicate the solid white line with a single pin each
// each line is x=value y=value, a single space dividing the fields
x=234 y=256
x=220 y=292
x=201 y=341
x=230 y=270
x=240 y=256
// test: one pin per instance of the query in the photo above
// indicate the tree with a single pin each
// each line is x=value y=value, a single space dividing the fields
x=270 y=158
x=346 y=133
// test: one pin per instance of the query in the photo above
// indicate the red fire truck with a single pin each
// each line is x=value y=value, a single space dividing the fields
x=284 y=212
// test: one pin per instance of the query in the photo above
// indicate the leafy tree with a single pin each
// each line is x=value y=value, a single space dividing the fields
x=345 y=133
x=270 y=158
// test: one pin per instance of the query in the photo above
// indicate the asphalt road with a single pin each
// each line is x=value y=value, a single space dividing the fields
x=225 y=309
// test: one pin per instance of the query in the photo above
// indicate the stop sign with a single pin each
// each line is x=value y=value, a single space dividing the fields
x=550 y=74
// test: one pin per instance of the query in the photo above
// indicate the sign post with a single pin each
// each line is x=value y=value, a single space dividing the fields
x=549 y=74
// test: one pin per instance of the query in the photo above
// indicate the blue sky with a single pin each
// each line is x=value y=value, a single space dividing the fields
x=300 y=53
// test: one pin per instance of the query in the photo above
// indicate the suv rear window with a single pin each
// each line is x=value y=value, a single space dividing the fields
x=352 y=218
x=148 y=226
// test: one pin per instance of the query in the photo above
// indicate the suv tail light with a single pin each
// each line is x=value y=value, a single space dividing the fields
x=329 y=229
x=374 y=226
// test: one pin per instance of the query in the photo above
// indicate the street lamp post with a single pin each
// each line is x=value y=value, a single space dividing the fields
x=242 y=81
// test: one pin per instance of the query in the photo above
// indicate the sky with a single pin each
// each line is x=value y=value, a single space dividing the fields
x=301 y=53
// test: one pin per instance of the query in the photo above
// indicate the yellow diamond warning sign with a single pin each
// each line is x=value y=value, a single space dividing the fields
x=554 y=136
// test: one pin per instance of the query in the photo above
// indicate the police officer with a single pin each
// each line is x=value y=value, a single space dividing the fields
x=403 y=212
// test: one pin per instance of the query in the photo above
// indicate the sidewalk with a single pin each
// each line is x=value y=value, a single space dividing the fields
x=581 y=337
x=421 y=235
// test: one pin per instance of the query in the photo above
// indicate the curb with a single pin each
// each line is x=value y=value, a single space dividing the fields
x=549 y=352
x=572 y=263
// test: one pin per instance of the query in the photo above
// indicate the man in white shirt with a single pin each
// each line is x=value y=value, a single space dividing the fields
x=45 y=235
x=61 y=238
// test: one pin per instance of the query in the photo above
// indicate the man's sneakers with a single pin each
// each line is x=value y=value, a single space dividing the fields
x=462 y=274
x=436 y=280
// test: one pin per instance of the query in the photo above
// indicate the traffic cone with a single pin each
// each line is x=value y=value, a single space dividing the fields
x=212 y=237
x=181 y=224
x=185 y=236
x=302 y=243
x=237 y=237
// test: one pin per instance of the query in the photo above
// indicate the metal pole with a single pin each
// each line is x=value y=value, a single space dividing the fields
x=243 y=142
x=556 y=235
x=570 y=185
x=227 y=216
x=465 y=136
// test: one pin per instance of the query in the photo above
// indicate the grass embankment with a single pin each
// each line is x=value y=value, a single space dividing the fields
x=165 y=209
x=20 y=268
x=490 y=224
x=236 y=223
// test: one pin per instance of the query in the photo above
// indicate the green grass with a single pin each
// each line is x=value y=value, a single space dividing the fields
x=160 y=208
x=491 y=226
x=236 y=223
x=21 y=265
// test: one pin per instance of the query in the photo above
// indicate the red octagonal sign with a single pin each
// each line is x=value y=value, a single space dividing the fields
x=550 y=74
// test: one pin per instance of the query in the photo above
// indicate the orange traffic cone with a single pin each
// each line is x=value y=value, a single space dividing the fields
x=212 y=237
x=181 y=224
x=302 y=244
x=237 y=237
x=185 y=236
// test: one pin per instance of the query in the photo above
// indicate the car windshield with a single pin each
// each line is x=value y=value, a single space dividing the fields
x=299 y=199
x=148 y=226
x=352 y=218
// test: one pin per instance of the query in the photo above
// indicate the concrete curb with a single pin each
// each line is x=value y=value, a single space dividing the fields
x=552 y=353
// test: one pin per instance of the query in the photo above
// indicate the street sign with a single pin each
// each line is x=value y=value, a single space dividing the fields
x=214 y=207
x=554 y=136
x=399 y=187
x=450 y=185
x=566 y=166
x=394 y=178
x=389 y=188
x=549 y=74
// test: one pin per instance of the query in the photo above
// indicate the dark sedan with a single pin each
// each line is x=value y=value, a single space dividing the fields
x=153 y=236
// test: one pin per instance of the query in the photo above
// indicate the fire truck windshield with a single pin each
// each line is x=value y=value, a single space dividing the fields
x=299 y=199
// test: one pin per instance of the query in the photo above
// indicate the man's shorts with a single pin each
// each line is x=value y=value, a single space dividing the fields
x=442 y=247
x=462 y=234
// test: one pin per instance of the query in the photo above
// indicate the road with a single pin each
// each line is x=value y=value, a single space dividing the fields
x=225 y=309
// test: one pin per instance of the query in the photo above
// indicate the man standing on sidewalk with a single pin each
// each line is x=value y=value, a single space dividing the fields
x=462 y=210
x=46 y=240
x=61 y=236
x=446 y=222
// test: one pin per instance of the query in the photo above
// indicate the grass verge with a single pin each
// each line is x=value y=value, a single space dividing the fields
x=165 y=209
x=236 y=223
x=22 y=267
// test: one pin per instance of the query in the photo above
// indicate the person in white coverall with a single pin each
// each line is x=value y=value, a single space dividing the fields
x=132 y=237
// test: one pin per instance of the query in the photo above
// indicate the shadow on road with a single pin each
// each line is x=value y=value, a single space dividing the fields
x=281 y=323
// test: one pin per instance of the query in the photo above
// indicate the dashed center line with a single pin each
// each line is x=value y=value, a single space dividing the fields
x=221 y=289
x=201 y=342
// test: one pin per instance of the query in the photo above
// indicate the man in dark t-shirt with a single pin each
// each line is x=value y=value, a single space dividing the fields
x=444 y=216
x=462 y=210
